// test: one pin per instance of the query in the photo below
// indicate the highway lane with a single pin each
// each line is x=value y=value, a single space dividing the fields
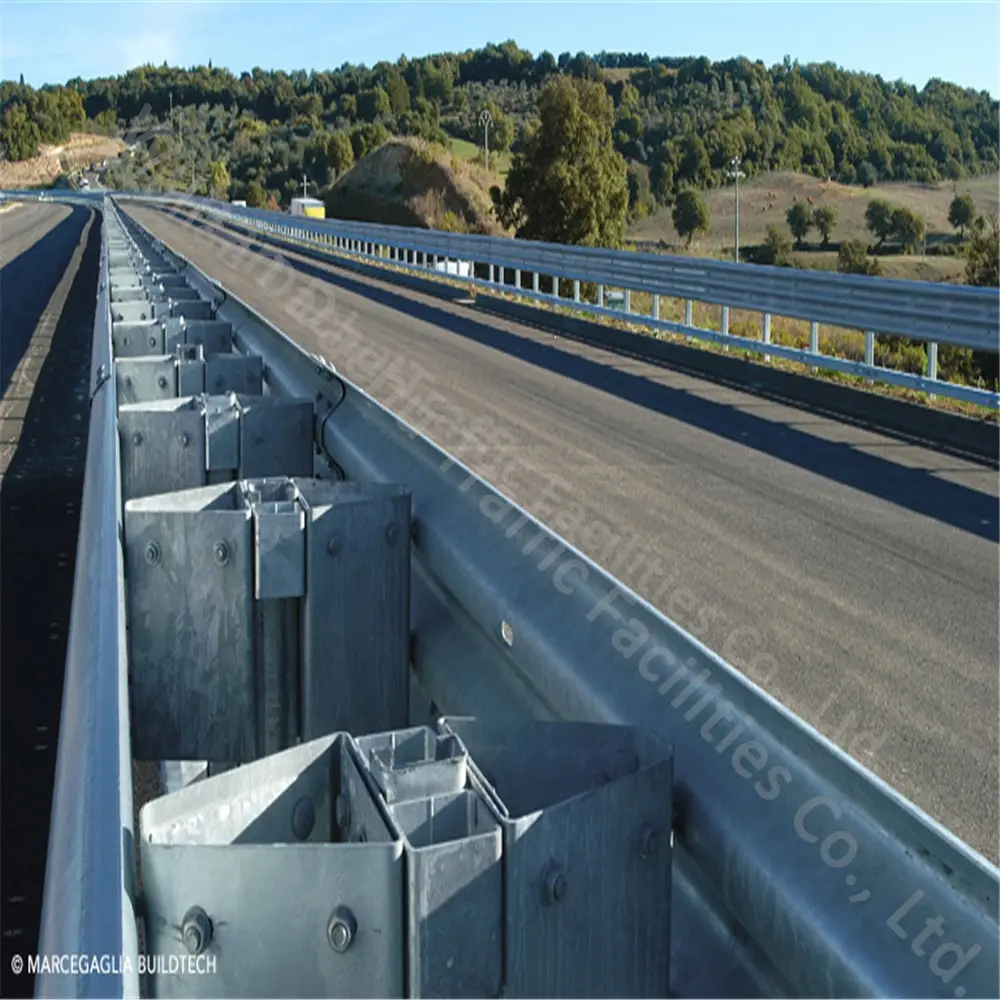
x=853 y=576
x=24 y=223
x=47 y=301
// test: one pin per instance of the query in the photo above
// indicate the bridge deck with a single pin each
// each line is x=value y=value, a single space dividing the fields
x=839 y=568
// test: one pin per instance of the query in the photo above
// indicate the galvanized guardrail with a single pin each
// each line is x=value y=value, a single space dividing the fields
x=959 y=316
x=795 y=870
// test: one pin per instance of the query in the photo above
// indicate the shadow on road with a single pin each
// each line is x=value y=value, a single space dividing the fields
x=39 y=526
x=914 y=489
x=26 y=285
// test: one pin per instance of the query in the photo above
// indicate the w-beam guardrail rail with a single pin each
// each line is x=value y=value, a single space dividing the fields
x=936 y=313
x=284 y=628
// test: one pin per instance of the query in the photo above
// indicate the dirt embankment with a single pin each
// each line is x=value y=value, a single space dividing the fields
x=78 y=151
x=409 y=182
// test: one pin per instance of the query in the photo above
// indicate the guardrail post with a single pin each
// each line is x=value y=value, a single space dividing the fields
x=656 y=307
x=576 y=291
x=766 y=333
x=813 y=343
x=628 y=300
x=555 y=287
x=932 y=359
x=517 y=278
x=534 y=282
x=492 y=275
x=600 y=295
x=725 y=325
x=688 y=313
x=869 y=352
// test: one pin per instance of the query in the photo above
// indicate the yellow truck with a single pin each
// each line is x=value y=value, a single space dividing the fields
x=311 y=207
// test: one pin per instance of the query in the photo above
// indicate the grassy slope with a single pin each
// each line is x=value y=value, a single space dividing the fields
x=766 y=200
x=411 y=182
x=465 y=150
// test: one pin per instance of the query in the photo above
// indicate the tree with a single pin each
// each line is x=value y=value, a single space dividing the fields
x=349 y=107
x=908 y=227
x=982 y=259
x=777 y=248
x=340 y=152
x=373 y=104
x=568 y=184
x=852 y=258
x=219 y=184
x=19 y=134
x=867 y=174
x=640 y=195
x=878 y=219
x=800 y=221
x=982 y=268
x=256 y=196
x=824 y=219
x=962 y=212
x=690 y=215
x=367 y=138
x=399 y=93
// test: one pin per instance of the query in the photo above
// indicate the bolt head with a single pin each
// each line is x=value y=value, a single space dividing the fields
x=554 y=884
x=162 y=381
x=152 y=553
x=136 y=438
x=303 y=818
x=196 y=930
x=185 y=439
x=341 y=929
x=649 y=841
x=221 y=553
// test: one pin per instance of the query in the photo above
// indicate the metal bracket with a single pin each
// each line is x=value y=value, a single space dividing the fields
x=266 y=611
x=186 y=442
x=442 y=885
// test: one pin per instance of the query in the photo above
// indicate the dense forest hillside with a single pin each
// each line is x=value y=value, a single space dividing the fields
x=678 y=122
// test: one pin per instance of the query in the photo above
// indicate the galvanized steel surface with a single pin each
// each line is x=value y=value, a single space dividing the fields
x=90 y=876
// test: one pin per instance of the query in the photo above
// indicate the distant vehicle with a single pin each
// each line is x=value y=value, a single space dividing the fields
x=311 y=207
x=239 y=201
x=84 y=183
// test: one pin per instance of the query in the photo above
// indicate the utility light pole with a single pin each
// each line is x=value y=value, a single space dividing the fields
x=734 y=173
x=486 y=120
x=305 y=186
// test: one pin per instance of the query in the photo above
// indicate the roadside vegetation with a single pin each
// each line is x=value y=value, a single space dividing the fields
x=843 y=170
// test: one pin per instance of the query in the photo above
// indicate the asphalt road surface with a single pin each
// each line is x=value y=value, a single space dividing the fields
x=853 y=576
x=49 y=258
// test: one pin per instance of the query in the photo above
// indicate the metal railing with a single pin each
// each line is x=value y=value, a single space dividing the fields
x=88 y=929
x=954 y=315
x=797 y=871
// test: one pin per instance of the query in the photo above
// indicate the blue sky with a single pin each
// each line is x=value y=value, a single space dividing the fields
x=50 y=42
